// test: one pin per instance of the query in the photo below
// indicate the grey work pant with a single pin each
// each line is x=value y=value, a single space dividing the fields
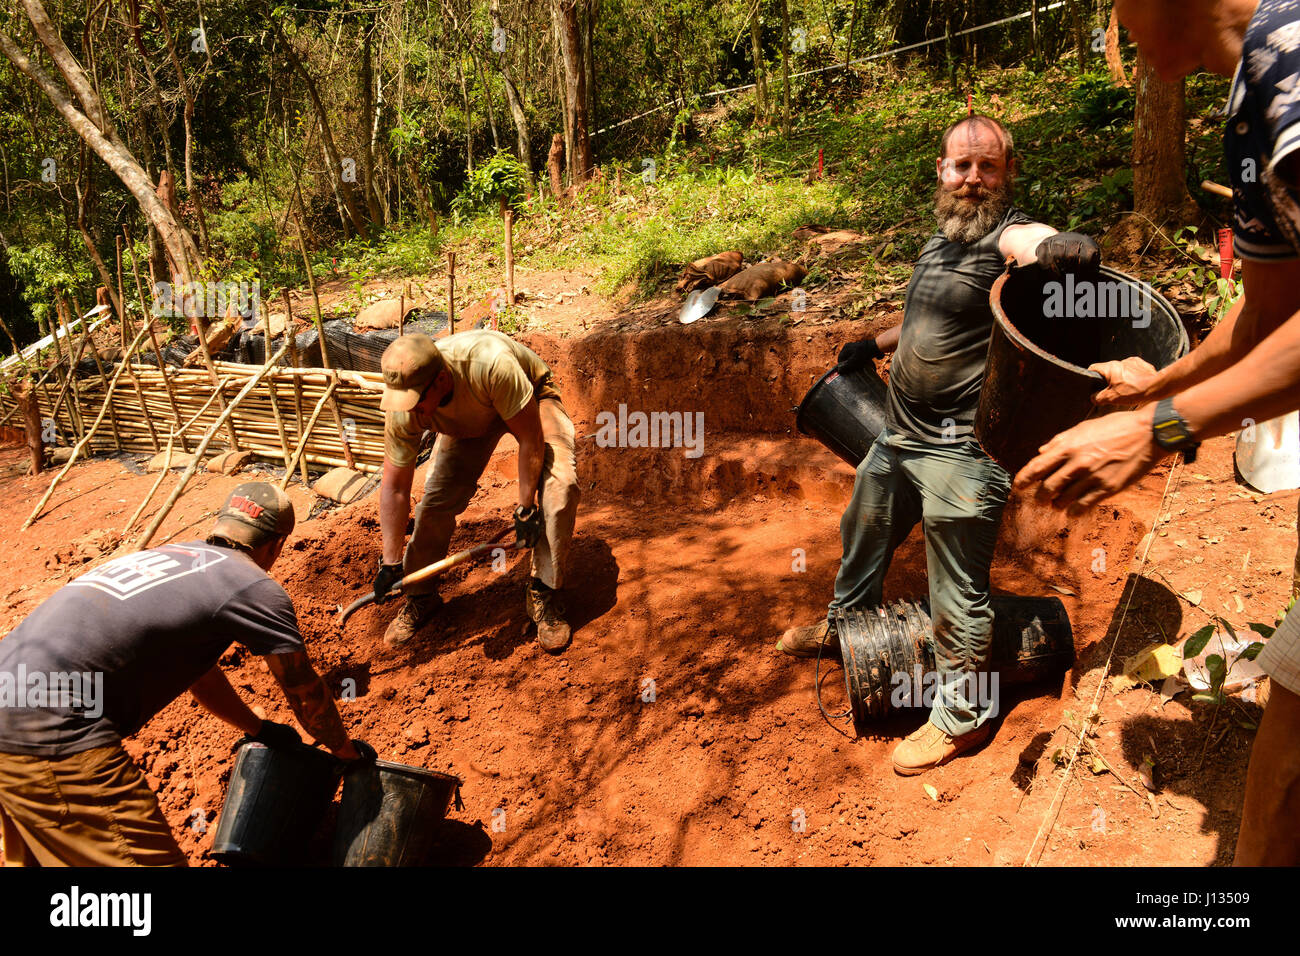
x=453 y=476
x=957 y=493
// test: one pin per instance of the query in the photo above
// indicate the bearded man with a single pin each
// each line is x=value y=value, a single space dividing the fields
x=926 y=466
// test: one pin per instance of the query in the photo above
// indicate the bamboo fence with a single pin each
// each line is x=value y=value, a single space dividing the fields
x=274 y=420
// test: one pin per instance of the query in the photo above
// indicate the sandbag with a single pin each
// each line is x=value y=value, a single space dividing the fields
x=710 y=270
x=763 y=279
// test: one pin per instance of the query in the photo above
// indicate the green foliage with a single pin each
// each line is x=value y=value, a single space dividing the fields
x=502 y=178
x=1217 y=669
x=1098 y=103
x=1217 y=293
x=43 y=271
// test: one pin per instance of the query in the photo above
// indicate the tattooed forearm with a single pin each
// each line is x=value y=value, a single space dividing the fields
x=310 y=699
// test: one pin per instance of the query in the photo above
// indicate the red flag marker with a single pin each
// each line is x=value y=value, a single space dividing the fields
x=1225 y=253
x=820 y=165
x=970 y=105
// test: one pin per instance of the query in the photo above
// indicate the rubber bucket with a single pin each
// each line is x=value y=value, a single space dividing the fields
x=888 y=651
x=1036 y=383
x=275 y=801
x=845 y=412
x=390 y=814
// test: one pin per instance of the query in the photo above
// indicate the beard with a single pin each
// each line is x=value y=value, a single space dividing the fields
x=963 y=220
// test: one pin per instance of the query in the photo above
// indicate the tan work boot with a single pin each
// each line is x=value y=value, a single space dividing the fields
x=415 y=613
x=546 y=610
x=929 y=747
x=804 y=641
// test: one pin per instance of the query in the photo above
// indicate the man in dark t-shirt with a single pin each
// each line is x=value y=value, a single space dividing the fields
x=926 y=466
x=109 y=650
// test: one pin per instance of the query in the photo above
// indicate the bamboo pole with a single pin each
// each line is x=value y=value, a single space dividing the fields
x=302 y=441
x=121 y=296
x=80 y=445
x=451 y=293
x=279 y=424
x=167 y=464
x=223 y=418
x=87 y=338
x=147 y=319
x=297 y=386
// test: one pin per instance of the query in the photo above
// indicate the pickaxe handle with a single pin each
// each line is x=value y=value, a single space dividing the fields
x=460 y=557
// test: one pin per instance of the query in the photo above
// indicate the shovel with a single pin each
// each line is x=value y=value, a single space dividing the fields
x=460 y=557
x=699 y=304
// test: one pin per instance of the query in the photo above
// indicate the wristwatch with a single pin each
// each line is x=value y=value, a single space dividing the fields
x=1171 y=431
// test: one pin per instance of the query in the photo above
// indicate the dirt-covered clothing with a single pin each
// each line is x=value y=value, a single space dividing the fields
x=493 y=377
x=110 y=649
x=453 y=478
x=90 y=808
x=937 y=371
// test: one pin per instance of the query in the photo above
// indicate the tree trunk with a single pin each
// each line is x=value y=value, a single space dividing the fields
x=333 y=161
x=575 y=84
x=513 y=99
x=25 y=395
x=1160 y=147
x=1113 y=60
x=368 y=119
x=190 y=191
x=853 y=23
x=554 y=163
x=96 y=130
x=760 y=71
x=785 y=67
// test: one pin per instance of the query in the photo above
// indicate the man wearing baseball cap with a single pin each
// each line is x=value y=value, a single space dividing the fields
x=470 y=389
x=109 y=650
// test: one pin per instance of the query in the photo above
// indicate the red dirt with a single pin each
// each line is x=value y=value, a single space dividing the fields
x=682 y=575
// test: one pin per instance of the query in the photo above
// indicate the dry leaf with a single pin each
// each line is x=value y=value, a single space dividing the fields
x=1057 y=587
x=1099 y=766
x=934 y=794
x=1193 y=597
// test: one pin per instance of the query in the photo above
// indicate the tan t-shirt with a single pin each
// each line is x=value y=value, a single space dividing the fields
x=493 y=377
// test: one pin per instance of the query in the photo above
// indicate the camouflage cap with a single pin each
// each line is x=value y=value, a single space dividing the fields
x=409 y=364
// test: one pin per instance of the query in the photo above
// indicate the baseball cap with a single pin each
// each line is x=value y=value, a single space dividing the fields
x=255 y=512
x=409 y=364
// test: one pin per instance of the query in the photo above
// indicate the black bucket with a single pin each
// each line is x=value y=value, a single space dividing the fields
x=390 y=814
x=276 y=799
x=1037 y=383
x=888 y=651
x=845 y=412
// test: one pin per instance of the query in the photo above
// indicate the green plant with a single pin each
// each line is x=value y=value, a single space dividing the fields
x=1217 y=293
x=1217 y=669
x=1098 y=103
x=501 y=179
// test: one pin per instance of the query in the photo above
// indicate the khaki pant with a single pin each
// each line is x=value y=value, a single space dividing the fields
x=458 y=464
x=88 y=809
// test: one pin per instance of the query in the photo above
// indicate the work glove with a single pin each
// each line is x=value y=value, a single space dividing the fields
x=273 y=735
x=389 y=574
x=858 y=355
x=1068 y=252
x=528 y=526
x=368 y=756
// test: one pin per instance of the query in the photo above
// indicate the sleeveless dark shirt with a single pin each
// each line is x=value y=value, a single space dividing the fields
x=935 y=378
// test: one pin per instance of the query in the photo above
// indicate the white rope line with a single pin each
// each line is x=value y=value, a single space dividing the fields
x=680 y=101
x=1054 y=809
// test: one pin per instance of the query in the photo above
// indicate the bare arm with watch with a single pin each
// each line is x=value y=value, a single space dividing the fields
x=1102 y=456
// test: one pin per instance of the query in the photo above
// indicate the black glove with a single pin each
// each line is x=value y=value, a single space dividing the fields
x=1069 y=252
x=858 y=355
x=367 y=752
x=528 y=526
x=274 y=735
x=389 y=574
